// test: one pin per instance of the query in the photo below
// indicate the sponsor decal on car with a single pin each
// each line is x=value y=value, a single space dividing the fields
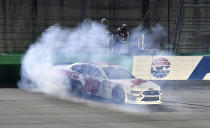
x=137 y=82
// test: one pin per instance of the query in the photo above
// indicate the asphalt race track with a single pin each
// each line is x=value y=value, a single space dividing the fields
x=186 y=104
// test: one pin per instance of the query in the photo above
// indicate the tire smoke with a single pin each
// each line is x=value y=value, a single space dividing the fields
x=37 y=73
x=57 y=43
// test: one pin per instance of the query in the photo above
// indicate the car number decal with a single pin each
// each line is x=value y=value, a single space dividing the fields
x=91 y=85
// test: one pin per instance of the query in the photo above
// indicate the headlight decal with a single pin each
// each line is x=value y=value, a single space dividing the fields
x=136 y=92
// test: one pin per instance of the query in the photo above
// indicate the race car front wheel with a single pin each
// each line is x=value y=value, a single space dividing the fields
x=118 y=95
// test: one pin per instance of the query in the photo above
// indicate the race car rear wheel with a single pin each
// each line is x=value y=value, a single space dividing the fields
x=76 y=87
x=118 y=95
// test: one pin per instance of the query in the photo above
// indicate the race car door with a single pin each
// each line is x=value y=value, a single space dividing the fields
x=93 y=78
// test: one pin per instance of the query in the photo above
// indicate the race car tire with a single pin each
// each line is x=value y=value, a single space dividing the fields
x=118 y=95
x=75 y=87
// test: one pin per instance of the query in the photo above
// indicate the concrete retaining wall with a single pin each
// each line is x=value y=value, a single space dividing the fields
x=144 y=67
x=172 y=67
x=9 y=75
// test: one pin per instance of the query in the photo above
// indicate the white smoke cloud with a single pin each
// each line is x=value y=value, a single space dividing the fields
x=58 y=43
x=38 y=62
x=147 y=39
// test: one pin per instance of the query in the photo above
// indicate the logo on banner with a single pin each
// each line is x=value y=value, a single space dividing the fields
x=160 y=67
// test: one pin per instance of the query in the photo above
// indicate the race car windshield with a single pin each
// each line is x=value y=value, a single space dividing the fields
x=114 y=73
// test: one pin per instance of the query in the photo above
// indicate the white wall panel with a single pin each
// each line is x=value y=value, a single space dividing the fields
x=165 y=67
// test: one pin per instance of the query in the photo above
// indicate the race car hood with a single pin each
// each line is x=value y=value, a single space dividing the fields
x=136 y=84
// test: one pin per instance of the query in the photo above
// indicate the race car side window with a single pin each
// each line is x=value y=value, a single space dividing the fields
x=78 y=68
x=117 y=73
x=93 y=71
